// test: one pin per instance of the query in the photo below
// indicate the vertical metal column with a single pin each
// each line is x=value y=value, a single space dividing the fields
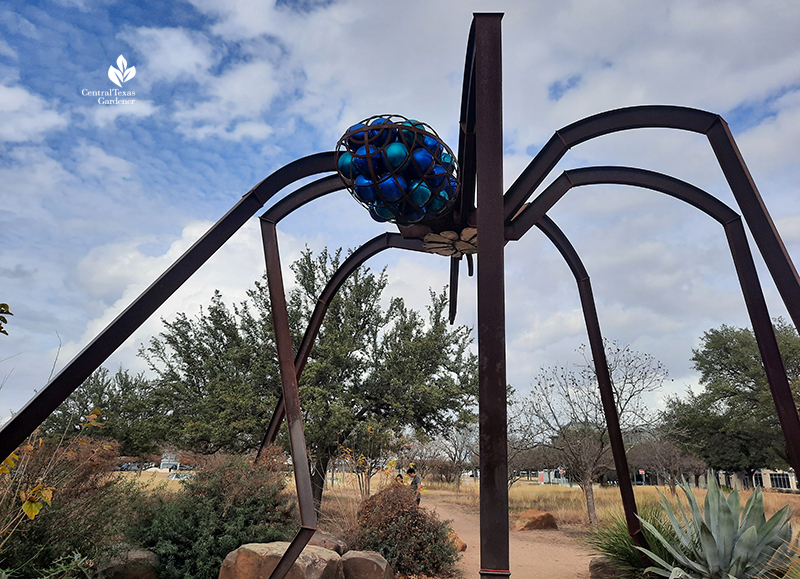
x=291 y=399
x=491 y=297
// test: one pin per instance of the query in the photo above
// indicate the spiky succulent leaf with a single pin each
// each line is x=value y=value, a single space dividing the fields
x=710 y=550
x=682 y=531
x=735 y=506
x=677 y=553
x=745 y=551
x=753 y=515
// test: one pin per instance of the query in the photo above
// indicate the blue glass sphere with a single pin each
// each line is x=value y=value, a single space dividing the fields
x=396 y=156
x=378 y=215
x=432 y=144
x=380 y=136
x=410 y=137
x=358 y=138
x=413 y=214
x=438 y=202
x=437 y=176
x=383 y=212
x=420 y=193
x=421 y=162
x=345 y=165
x=392 y=188
x=398 y=169
x=362 y=165
x=365 y=189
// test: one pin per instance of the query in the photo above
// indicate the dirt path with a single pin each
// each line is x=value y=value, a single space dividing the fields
x=534 y=554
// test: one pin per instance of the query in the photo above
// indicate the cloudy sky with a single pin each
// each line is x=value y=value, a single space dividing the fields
x=97 y=200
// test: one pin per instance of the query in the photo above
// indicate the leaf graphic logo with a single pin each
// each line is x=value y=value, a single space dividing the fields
x=122 y=74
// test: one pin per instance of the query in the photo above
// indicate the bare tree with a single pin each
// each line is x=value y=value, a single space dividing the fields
x=455 y=447
x=565 y=412
x=665 y=458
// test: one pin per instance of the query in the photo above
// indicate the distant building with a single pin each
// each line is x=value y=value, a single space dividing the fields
x=169 y=460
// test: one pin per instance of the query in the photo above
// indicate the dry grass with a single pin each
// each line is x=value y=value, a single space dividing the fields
x=153 y=480
x=568 y=504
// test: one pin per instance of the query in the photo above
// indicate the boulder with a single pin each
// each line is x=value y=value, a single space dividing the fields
x=258 y=560
x=366 y=565
x=603 y=568
x=328 y=541
x=131 y=564
x=533 y=519
x=461 y=546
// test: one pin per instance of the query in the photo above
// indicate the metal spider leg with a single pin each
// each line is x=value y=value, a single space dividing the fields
x=289 y=404
x=93 y=355
x=740 y=252
x=730 y=160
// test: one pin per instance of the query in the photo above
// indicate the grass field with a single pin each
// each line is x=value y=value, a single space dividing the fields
x=566 y=504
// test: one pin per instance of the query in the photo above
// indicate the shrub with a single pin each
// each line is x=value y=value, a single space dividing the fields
x=224 y=507
x=85 y=499
x=414 y=541
x=613 y=541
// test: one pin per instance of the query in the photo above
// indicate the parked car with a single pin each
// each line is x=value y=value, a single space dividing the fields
x=128 y=466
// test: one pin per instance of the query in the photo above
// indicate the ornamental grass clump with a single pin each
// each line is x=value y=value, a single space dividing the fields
x=724 y=541
x=613 y=541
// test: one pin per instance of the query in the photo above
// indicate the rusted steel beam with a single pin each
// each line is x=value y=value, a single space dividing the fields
x=24 y=422
x=740 y=252
x=567 y=251
x=491 y=297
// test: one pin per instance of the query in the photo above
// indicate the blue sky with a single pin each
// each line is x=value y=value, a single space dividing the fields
x=97 y=200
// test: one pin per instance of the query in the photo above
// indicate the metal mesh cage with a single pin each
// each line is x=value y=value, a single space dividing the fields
x=399 y=169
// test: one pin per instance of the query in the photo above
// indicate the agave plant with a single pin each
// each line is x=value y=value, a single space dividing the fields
x=723 y=541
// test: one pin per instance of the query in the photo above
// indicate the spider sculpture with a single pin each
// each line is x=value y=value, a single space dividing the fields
x=435 y=212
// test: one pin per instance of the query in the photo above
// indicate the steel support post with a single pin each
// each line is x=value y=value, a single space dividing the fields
x=491 y=297
x=291 y=398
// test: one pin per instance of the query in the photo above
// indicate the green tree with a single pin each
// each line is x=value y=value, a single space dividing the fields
x=124 y=405
x=216 y=381
x=391 y=368
x=384 y=368
x=732 y=423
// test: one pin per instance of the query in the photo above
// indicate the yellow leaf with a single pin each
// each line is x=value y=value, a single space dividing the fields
x=4 y=468
x=28 y=447
x=31 y=508
x=47 y=495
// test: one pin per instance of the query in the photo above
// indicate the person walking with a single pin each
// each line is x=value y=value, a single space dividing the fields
x=416 y=483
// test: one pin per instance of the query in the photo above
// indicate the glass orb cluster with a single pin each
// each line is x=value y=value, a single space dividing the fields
x=399 y=169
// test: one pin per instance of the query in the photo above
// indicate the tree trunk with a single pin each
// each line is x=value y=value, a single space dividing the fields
x=318 y=481
x=588 y=490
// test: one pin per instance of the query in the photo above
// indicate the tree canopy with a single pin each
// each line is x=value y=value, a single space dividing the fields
x=732 y=423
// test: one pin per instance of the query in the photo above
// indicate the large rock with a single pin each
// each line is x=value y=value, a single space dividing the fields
x=533 y=519
x=131 y=564
x=258 y=560
x=461 y=546
x=328 y=541
x=366 y=565
x=603 y=568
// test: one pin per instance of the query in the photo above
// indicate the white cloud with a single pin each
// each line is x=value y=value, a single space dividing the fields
x=6 y=50
x=103 y=115
x=25 y=116
x=170 y=54
x=94 y=161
